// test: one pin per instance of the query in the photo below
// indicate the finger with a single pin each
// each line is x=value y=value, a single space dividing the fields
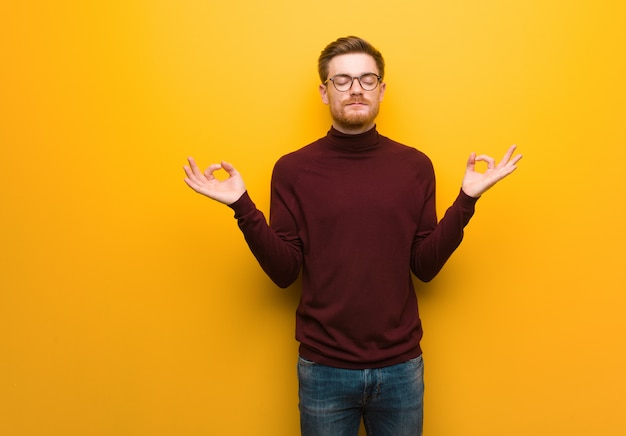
x=188 y=171
x=191 y=161
x=510 y=166
x=507 y=156
x=192 y=165
x=491 y=163
x=471 y=160
x=229 y=168
x=208 y=173
x=191 y=183
x=516 y=158
x=191 y=180
x=194 y=171
x=512 y=163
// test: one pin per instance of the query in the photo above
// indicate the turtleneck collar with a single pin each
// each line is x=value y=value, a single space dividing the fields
x=354 y=143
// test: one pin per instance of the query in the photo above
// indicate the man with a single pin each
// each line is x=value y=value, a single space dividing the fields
x=354 y=212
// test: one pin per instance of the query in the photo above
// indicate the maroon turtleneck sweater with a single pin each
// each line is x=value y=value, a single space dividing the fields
x=355 y=214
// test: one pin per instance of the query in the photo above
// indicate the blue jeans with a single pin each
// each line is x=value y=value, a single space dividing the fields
x=333 y=400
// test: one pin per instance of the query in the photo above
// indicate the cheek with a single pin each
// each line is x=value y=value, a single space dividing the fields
x=333 y=101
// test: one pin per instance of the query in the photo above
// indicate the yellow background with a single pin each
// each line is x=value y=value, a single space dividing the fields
x=131 y=306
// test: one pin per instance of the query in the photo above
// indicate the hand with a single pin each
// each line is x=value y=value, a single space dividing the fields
x=225 y=191
x=475 y=183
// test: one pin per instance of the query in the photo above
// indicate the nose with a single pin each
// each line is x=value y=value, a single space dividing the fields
x=356 y=89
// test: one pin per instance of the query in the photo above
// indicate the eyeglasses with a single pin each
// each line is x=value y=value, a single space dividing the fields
x=343 y=82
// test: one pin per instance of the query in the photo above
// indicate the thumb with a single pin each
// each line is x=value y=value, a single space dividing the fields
x=471 y=161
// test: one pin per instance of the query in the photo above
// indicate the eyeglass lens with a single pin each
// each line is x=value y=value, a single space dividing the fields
x=343 y=82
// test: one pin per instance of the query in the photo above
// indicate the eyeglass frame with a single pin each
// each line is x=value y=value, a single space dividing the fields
x=331 y=79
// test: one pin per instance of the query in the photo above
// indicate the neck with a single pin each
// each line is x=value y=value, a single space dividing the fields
x=353 y=129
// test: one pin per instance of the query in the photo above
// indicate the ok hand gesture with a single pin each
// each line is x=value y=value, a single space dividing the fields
x=475 y=183
x=225 y=191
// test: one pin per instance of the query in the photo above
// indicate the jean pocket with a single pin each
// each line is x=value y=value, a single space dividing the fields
x=418 y=361
x=305 y=362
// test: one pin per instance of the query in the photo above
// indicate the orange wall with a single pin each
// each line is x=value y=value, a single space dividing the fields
x=131 y=306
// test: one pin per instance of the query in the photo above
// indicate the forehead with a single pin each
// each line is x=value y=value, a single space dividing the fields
x=353 y=64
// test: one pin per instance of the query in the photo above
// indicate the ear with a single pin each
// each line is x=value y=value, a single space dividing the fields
x=381 y=90
x=324 y=93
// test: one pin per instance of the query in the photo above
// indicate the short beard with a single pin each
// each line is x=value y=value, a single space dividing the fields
x=357 y=121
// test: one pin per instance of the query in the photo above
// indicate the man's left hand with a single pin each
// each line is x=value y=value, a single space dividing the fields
x=475 y=183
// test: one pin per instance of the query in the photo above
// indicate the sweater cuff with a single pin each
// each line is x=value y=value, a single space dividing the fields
x=465 y=201
x=243 y=205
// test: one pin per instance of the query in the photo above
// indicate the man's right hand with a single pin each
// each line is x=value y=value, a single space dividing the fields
x=225 y=191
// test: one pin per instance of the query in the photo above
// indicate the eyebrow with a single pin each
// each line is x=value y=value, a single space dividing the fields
x=358 y=75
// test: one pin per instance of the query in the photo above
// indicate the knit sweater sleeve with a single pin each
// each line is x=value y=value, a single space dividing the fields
x=435 y=241
x=278 y=253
